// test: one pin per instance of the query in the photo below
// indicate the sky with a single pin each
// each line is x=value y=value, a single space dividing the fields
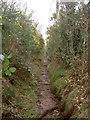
x=43 y=10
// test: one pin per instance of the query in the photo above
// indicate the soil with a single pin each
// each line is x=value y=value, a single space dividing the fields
x=46 y=100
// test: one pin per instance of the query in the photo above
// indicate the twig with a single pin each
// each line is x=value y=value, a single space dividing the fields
x=11 y=104
x=10 y=49
x=47 y=111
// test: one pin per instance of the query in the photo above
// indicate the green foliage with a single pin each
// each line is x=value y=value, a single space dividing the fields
x=8 y=93
x=60 y=86
x=9 y=56
x=7 y=70
x=26 y=67
x=22 y=38
x=68 y=48
x=12 y=69
x=57 y=80
x=68 y=102
x=66 y=37
x=25 y=93
x=27 y=39
x=19 y=95
x=63 y=56
x=57 y=73
x=25 y=43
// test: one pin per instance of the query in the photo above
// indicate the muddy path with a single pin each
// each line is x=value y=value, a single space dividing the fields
x=46 y=100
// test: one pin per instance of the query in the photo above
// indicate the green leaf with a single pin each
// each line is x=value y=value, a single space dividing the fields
x=6 y=64
x=5 y=56
x=8 y=72
x=10 y=56
x=12 y=69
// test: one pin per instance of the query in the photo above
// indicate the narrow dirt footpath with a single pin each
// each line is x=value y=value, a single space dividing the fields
x=46 y=100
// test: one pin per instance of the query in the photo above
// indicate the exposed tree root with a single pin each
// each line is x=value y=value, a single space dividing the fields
x=47 y=112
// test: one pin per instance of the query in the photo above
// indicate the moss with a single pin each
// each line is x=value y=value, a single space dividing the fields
x=28 y=114
x=60 y=86
x=57 y=73
x=57 y=80
x=21 y=95
x=68 y=102
x=8 y=93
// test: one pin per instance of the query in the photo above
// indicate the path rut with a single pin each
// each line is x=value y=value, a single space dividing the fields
x=46 y=99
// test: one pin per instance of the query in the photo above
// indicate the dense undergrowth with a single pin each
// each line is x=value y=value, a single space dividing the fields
x=22 y=41
x=67 y=52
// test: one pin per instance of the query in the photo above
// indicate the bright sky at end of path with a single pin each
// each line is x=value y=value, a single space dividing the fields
x=43 y=10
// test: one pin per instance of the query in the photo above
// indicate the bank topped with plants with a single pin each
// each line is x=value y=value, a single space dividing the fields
x=22 y=45
x=67 y=50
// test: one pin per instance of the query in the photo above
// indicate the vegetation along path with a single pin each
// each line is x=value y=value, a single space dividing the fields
x=26 y=86
x=46 y=100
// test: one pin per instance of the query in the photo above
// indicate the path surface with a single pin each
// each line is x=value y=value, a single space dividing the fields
x=46 y=99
